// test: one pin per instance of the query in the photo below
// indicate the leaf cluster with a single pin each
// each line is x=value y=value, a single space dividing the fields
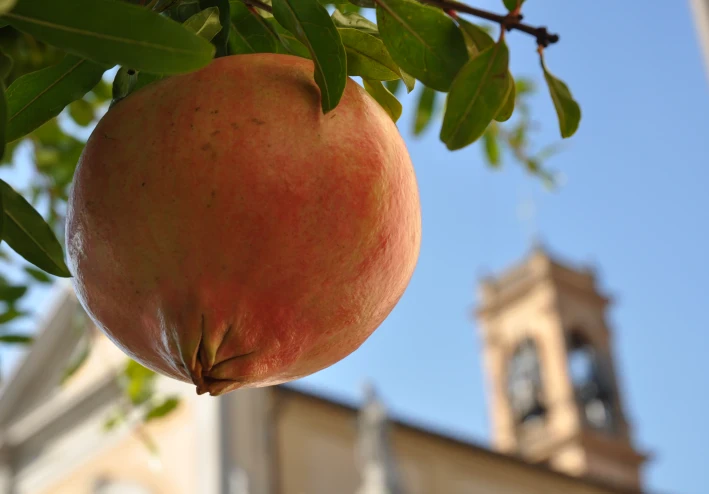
x=148 y=41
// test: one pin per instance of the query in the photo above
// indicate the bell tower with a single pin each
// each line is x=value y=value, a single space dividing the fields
x=554 y=393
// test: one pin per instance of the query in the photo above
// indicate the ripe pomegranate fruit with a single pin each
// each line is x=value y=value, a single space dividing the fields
x=222 y=230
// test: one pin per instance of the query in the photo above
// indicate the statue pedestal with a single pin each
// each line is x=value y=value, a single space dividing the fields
x=374 y=481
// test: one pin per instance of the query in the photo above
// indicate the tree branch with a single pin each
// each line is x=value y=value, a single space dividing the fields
x=508 y=22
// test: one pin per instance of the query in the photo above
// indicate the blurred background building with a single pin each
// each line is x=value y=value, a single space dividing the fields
x=700 y=11
x=557 y=408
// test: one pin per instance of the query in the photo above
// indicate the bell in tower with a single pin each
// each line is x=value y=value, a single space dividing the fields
x=554 y=394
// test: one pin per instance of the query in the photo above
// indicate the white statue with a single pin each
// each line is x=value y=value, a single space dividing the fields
x=374 y=456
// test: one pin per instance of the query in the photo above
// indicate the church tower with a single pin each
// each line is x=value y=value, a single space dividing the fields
x=554 y=393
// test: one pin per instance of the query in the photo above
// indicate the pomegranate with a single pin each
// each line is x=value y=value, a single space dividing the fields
x=223 y=231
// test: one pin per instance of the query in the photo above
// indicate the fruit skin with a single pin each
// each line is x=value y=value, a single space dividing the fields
x=222 y=230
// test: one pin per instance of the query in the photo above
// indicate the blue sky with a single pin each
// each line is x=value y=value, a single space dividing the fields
x=631 y=203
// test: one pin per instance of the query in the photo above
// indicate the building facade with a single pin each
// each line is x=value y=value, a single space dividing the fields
x=560 y=424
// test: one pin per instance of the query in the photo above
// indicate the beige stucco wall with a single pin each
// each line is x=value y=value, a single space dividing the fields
x=104 y=358
x=128 y=460
x=316 y=443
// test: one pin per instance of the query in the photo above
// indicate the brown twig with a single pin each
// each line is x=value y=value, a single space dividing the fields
x=512 y=21
x=509 y=22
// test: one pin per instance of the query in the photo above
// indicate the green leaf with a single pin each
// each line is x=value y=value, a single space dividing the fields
x=221 y=38
x=161 y=409
x=366 y=4
x=11 y=293
x=385 y=99
x=140 y=380
x=477 y=94
x=393 y=86
x=16 y=339
x=508 y=107
x=492 y=146
x=56 y=155
x=354 y=21
x=39 y=96
x=26 y=232
x=524 y=86
x=409 y=81
x=82 y=112
x=5 y=68
x=183 y=10
x=139 y=392
x=477 y=39
x=512 y=4
x=250 y=32
x=6 y=64
x=367 y=56
x=133 y=370
x=547 y=152
x=113 y=32
x=311 y=24
x=3 y=122
x=423 y=40
x=567 y=108
x=517 y=138
x=102 y=92
x=205 y=24
x=424 y=110
x=532 y=165
x=9 y=152
x=6 y=5
x=11 y=314
x=288 y=40
x=37 y=274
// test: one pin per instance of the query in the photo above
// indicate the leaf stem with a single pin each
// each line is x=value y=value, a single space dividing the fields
x=512 y=21
x=259 y=4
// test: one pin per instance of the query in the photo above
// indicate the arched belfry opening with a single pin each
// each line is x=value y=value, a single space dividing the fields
x=592 y=384
x=525 y=389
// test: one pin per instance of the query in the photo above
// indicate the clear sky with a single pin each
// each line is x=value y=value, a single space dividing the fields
x=635 y=187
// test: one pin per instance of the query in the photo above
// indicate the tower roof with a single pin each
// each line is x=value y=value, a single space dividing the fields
x=538 y=266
